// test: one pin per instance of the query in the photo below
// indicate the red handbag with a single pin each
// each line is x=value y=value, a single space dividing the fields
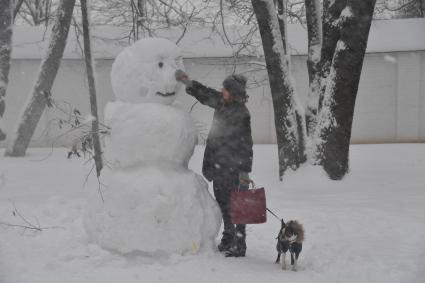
x=248 y=207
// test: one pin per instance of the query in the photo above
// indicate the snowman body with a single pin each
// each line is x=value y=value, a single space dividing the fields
x=152 y=202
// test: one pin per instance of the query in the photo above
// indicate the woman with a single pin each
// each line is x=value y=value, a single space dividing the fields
x=228 y=151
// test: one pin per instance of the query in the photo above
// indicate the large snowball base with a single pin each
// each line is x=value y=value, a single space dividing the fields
x=153 y=210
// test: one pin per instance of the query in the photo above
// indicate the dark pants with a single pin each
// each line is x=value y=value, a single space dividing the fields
x=223 y=185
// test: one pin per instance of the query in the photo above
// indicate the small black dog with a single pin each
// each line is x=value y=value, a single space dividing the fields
x=291 y=236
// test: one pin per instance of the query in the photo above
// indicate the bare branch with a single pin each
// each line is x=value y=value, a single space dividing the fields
x=18 y=5
x=27 y=224
x=412 y=2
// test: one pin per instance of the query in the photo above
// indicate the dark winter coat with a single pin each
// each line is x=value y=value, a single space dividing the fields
x=229 y=143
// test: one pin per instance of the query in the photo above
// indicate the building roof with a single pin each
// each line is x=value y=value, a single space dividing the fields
x=385 y=36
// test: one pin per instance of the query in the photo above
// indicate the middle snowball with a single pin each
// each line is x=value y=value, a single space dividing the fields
x=148 y=133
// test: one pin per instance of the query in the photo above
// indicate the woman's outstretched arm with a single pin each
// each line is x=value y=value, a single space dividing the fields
x=203 y=94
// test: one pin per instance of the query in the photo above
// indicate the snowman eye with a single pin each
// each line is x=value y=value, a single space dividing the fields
x=160 y=64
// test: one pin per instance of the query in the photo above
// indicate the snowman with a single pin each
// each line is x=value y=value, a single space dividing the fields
x=152 y=203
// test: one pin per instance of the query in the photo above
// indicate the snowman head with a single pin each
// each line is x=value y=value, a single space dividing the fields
x=144 y=72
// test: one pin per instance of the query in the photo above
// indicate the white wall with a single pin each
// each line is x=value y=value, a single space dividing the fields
x=390 y=104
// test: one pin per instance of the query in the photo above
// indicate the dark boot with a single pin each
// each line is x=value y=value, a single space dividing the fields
x=238 y=248
x=226 y=241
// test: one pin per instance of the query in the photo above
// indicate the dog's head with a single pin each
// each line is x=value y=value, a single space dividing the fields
x=291 y=232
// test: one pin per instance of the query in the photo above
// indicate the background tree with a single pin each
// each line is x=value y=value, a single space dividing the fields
x=92 y=88
x=337 y=109
x=40 y=94
x=139 y=17
x=281 y=88
x=16 y=7
x=314 y=34
x=345 y=28
x=331 y=33
x=323 y=34
x=281 y=6
x=34 y=12
x=6 y=21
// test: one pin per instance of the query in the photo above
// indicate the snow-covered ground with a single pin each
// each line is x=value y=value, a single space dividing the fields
x=370 y=227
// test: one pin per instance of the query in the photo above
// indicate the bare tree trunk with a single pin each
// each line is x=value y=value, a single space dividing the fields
x=330 y=31
x=336 y=116
x=281 y=88
x=92 y=88
x=6 y=21
x=46 y=76
x=314 y=32
x=299 y=114
x=141 y=7
x=301 y=132
x=17 y=7
x=281 y=17
x=139 y=12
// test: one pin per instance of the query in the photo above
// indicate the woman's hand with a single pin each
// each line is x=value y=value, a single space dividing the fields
x=244 y=181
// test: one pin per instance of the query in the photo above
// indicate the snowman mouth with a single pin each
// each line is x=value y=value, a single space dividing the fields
x=165 y=94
